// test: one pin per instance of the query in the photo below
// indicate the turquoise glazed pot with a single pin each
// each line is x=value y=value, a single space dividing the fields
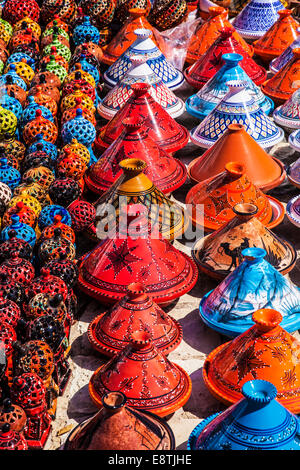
x=257 y=422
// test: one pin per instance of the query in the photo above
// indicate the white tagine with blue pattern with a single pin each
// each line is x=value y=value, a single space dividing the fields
x=288 y=114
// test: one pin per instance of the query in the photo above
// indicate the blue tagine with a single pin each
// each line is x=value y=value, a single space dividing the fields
x=144 y=46
x=237 y=107
x=202 y=103
x=280 y=61
x=253 y=285
x=257 y=17
x=257 y=422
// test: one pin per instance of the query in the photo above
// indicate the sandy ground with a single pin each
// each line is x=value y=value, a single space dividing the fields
x=198 y=340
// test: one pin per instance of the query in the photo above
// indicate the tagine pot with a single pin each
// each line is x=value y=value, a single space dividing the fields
x=166 y=173
x=294 y=140
x=220 y=193
x=293 y=211
x=210 y=95
x=219 y=253
x=110 y=332
x=254 y=284
x=211 y=61
x=265 y=351
x=208 y=32
x=280 y=61
x=237 y=107
x=266 y=424
x=161 y=387
x=161 y=126
x=133 y=254
x=293 y=173
x=265 y=172
x=288 y=114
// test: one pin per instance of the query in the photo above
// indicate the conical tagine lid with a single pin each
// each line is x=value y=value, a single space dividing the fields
x=134 y=255
x=256 y=18
x=161 y=126
x=126 y=37
x=144 y=46
x=288 y=114
x=264 y=171
x=293 y=211
x=134 y=187
x=222 y=192
x=283 y=84
x=278 y=37
x=140 y=73
x=219 y=253
x=287 y=55
x=209 y=31
x=110 y=332
x=120 y=427
x=166 y=173
x=210 y=95
x=148 y=379
x=265 y=351
x=253 y=285
x=293 y=173
x=256 y=422
x=211 y=61
x=237 y=107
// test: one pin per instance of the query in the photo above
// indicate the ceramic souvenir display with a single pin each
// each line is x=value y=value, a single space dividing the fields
x=110 y=332
x=293 y=211
x=293 y=173
x=167 y=14
x=288 y=114
x=279 y=62
x=140 y=73
x=262 y=418
x=208 y=32
x=145 y=47
x=15 y=11
x=166 y=173
x=119 y=427
x=283 y=84
x=265 y=172
x=254 y=284
x=294 y=140
x=17 y=270
x=210 y=63
x=82 y=214
x=265 y=351
x=219 y=253
x=14 y=243
x=162 y=387
x=235 y=108
x=210 y=95
x=219 y=194
x=10 y=312
x=9 y=175
x=128 y=257
x=256 y=18
x=13 y=415
x=161 y=126
x=23 y=231
x=10 y=439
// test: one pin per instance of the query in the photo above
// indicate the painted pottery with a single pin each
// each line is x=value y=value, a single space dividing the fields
x=10 y=312
x=140 y=73
x=279 y=62
x=161 y=126
x=162 y=387
x=120 y=427
x=294 y=140
x=219 y=253
x=211 y=61
x=82 y=214
x=17 y=270
x=9 y=175
x=13 y=415
x=262 y=418
x=14 y=243
x=210 y=95
x=110 y=332
x=265 y=350
x=219 y=194
x=256 y=18
x=293 y=211
x=254 y=284
x=239 y=107
x=10 y=439
x=145 y=47
x=131 y=255
x=166 y=173
x=265 y=172
x=23 y=231
x=293 y=173
x=208 y=32
x=283 y=84
x=15 y=11
x=167 y=14
x=288 y=114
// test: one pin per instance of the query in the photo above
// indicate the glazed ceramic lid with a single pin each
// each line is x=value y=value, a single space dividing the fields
x=264 y=171
x=293 y=211
x=293 y=173
x=266 y=351
x=148 y=379
x=253 y=285
x=294 y=140
x=236 y=107
x=288 y=114
x=256 y=422
x=140 y=73
x=219 y=253
x=216 y=197
x=110 y=332
x=256 y=18
x=279 y=62
x=161 y=126
x=166 y=173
